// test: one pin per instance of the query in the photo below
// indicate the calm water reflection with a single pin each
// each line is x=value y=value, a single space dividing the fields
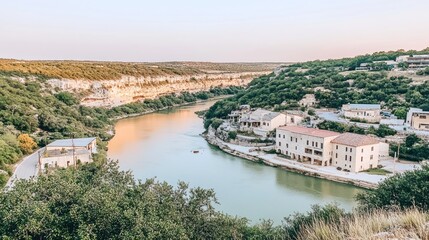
x=160 y=145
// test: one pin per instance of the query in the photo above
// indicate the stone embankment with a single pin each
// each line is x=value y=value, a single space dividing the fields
x=110 y=93
x=274 y=161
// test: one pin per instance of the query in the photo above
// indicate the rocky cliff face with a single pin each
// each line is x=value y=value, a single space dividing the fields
x=109 y=93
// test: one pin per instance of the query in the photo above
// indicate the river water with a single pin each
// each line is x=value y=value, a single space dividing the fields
x=161 y=145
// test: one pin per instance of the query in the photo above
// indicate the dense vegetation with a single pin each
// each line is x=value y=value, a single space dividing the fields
x=404 y=190
x=30 y=107
x=97 y=201
x=381 y=131
x=414 y=148
x=115 y=70
x=334 y=83
x=423 y=72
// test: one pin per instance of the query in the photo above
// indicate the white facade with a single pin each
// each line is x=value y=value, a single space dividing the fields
x=68 y=152
x=261 y=121
x=306 y=144
x=53 y=159
x=366 y=112
x=418 y=119
x=347 y=151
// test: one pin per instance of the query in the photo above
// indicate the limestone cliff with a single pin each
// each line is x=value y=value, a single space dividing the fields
x=109 y=93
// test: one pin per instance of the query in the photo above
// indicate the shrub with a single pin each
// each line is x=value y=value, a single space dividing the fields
x=404 y=190
x=232 y=135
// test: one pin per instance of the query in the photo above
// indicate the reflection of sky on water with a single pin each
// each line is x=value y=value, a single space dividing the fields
x=160 y=145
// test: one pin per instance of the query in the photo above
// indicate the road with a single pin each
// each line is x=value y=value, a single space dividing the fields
x=26 y=169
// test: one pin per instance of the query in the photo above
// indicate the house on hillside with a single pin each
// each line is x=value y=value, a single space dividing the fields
x=261 y=121
x=68 y=152
x=418 y=119
x=347 y=151
x=234 y=116
x=309 y=100
x=365 y=112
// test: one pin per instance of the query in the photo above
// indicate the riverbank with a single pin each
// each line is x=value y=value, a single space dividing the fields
x=361 y=179
x=169 y=107
x=27 y=167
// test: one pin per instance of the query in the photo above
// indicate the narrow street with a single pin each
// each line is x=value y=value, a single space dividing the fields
x=26 y=169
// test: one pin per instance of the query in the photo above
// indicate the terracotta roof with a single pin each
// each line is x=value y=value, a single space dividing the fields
x=354 y=140
x=309 y=131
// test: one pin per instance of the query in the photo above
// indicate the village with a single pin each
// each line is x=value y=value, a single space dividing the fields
x=291 y=140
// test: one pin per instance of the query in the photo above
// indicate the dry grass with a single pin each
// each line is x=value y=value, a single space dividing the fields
x=92 y=70
x=410 y=224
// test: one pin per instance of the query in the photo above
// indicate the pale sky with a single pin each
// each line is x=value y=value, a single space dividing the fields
x=216 y=30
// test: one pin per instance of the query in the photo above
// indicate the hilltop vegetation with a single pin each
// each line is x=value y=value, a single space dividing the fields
x=332 y=85
x=115 y=70
x=31 y=107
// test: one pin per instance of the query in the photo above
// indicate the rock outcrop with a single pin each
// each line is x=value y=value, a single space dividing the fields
x=110 y=93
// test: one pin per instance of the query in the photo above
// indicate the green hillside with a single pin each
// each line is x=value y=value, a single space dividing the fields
x=334 y=83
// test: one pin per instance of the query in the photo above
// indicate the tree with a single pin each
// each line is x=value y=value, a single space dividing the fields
x=103 y=202
x=411 y=139
x=405 y=190
x=232 y=135
x=26 y=143
x=67 y=98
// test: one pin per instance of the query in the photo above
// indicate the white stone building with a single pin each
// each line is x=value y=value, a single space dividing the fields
x=308 y=100
x=68 y=152
x=347 y=151
x=355 y=152
x=367 y=112
x=261 y=121
x=418 y=119
x=306 y=144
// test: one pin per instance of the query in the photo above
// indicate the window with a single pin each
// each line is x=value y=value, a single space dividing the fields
x=336 y=155
x=287 y=145
x=336 y=146
x=317 y=144
x=291 y=139
x=312 y=144
x=345 y=157
x=308 y=142
x=351 y=149
x=336 y=162
x=321 y=145
x=280 y=135
x=296 y=148
x=371 y=157
x=280 y=143
x=347 y=149
x=350 y=166
x=296 y=139
x=361 y=150
x=372 y=148
x=350 y=158
x=284 y=136
x=361 y=159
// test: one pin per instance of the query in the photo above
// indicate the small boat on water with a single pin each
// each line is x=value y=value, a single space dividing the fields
x=195 y=151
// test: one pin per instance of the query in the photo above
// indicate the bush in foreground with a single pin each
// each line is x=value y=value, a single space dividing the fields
x=405 y=190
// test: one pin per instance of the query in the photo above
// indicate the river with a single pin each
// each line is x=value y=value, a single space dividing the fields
x=160 y=145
